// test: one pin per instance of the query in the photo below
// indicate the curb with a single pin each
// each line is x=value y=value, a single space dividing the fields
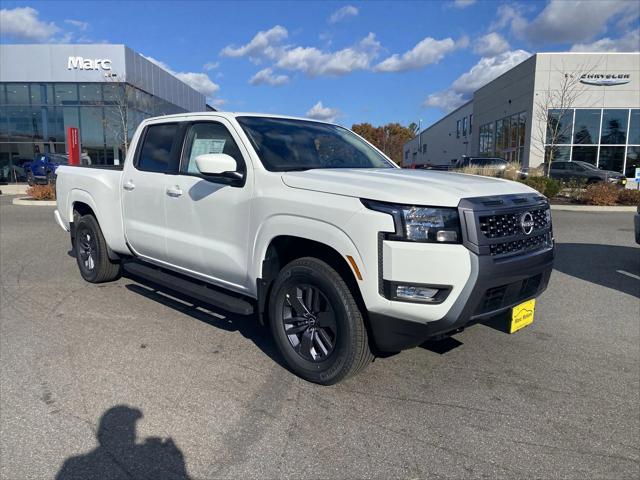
x=593 y=208
x=36 y=203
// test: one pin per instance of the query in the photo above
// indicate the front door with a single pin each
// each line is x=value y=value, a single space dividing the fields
x=208 y=217
x=143 y=184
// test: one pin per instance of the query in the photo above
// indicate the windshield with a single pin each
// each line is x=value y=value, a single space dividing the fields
x=284 y=145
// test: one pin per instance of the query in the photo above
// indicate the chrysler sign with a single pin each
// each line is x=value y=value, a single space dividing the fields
x=80 y=63
x=605 y=79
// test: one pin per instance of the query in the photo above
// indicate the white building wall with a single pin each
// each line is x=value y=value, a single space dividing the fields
x=522 y=89
x=551 y=67
x=440 y=144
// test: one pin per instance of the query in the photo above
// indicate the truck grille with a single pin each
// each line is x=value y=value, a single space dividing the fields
x=500 y=297
x=508 y=224
x=522 y=245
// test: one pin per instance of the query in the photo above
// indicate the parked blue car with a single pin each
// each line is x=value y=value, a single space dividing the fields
x=43 y=168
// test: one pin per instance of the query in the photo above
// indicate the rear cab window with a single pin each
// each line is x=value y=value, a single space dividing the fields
x=157 y=145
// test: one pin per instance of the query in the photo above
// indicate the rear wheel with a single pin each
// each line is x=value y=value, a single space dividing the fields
x=91 y=254
x=30 y=178
x=316 y=323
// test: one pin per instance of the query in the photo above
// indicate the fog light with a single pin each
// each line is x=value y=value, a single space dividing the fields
x=447 y=236
x=424 y=294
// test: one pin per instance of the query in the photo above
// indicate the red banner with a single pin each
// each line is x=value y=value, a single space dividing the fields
x=73 y=146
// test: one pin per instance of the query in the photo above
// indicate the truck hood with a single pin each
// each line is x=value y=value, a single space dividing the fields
x=419 y=187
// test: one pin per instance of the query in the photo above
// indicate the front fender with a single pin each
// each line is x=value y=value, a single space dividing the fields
x=301 y=227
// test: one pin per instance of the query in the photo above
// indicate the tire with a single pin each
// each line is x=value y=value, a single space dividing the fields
x=327 y=339
x=90 y=251
x=30 y=178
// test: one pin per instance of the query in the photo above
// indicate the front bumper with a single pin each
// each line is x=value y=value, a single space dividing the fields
x=494 y=287
x=497 y=266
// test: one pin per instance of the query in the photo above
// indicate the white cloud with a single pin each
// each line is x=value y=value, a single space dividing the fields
x=629 y=42
x=314 y=62
x=463 y=3
x=564 y=21
x=426 y=52
x=447 y=100
x=266 y=77
x=342 y=13
x=265 y=44
x=79 y=24
x=198 y=81
x=210 y=66
x=487 y=69
x=320 y=112
x=22 y=23
x=491 y=44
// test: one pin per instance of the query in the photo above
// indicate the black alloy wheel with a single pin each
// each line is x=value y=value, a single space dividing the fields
x=91 y=251
x=309 y=322
x=87 y=248
x=316 y=322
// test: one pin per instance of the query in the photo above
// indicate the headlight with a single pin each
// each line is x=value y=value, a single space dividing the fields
x=420 y=224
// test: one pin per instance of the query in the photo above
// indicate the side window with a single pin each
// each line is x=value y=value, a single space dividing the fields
x=208 y=137
x=156 y=148
x=558 y=166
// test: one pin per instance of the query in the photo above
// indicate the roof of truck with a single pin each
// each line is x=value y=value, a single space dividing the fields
x=234 y=115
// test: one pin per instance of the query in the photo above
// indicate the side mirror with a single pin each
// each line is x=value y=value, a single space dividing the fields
x=219 y=165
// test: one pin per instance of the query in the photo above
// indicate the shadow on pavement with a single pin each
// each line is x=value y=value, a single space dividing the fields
x=601 y=264
x=441 y=346
x=119 y=456
x=248 y=326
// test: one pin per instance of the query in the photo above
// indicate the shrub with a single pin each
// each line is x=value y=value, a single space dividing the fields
x=574 y=189
x=475 y=170
x=601 y=193
x=629 y=197
x=42 y=192
x=545 y=185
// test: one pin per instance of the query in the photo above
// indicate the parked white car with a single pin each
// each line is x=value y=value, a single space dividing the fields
x=307 y=225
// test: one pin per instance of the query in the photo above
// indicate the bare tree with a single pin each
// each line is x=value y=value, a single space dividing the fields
x=118 y=120
x=555 y=128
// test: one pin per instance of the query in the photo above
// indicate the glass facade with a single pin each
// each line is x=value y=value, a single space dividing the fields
x=504 y=138
x=34 y=118
x=608 y=138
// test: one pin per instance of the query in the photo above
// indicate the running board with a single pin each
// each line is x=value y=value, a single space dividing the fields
x=191 y=288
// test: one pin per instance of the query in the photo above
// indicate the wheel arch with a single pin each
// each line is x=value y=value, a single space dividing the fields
x=283 y=248
x=82 y=203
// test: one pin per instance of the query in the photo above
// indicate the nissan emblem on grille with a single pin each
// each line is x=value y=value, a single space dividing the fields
x=527 y=223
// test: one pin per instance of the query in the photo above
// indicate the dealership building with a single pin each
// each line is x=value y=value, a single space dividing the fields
x=567 y=106
x=102 y=90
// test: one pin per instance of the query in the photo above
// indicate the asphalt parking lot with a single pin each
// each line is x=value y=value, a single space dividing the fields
x=121 y=381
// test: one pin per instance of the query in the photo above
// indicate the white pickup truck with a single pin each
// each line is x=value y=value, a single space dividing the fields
x=314 y=231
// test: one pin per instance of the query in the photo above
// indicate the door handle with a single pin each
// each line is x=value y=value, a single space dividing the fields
x=174 y=191
x=128 y=185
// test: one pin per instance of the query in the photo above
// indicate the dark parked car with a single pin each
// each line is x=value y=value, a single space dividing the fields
x=584 y=171
x=43 y=168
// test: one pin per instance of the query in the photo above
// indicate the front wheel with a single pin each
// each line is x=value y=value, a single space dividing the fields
x=316 y=323
x=91 y=254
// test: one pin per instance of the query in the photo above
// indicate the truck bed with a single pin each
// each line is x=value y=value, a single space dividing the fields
x=99 y=188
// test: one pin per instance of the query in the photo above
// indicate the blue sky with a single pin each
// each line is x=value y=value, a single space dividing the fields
x=346 y=61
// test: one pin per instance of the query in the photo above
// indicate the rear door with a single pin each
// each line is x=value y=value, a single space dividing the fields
x=143 y=190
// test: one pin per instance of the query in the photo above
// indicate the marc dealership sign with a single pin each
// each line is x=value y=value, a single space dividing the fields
x=81 y=63
x=605 y=79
